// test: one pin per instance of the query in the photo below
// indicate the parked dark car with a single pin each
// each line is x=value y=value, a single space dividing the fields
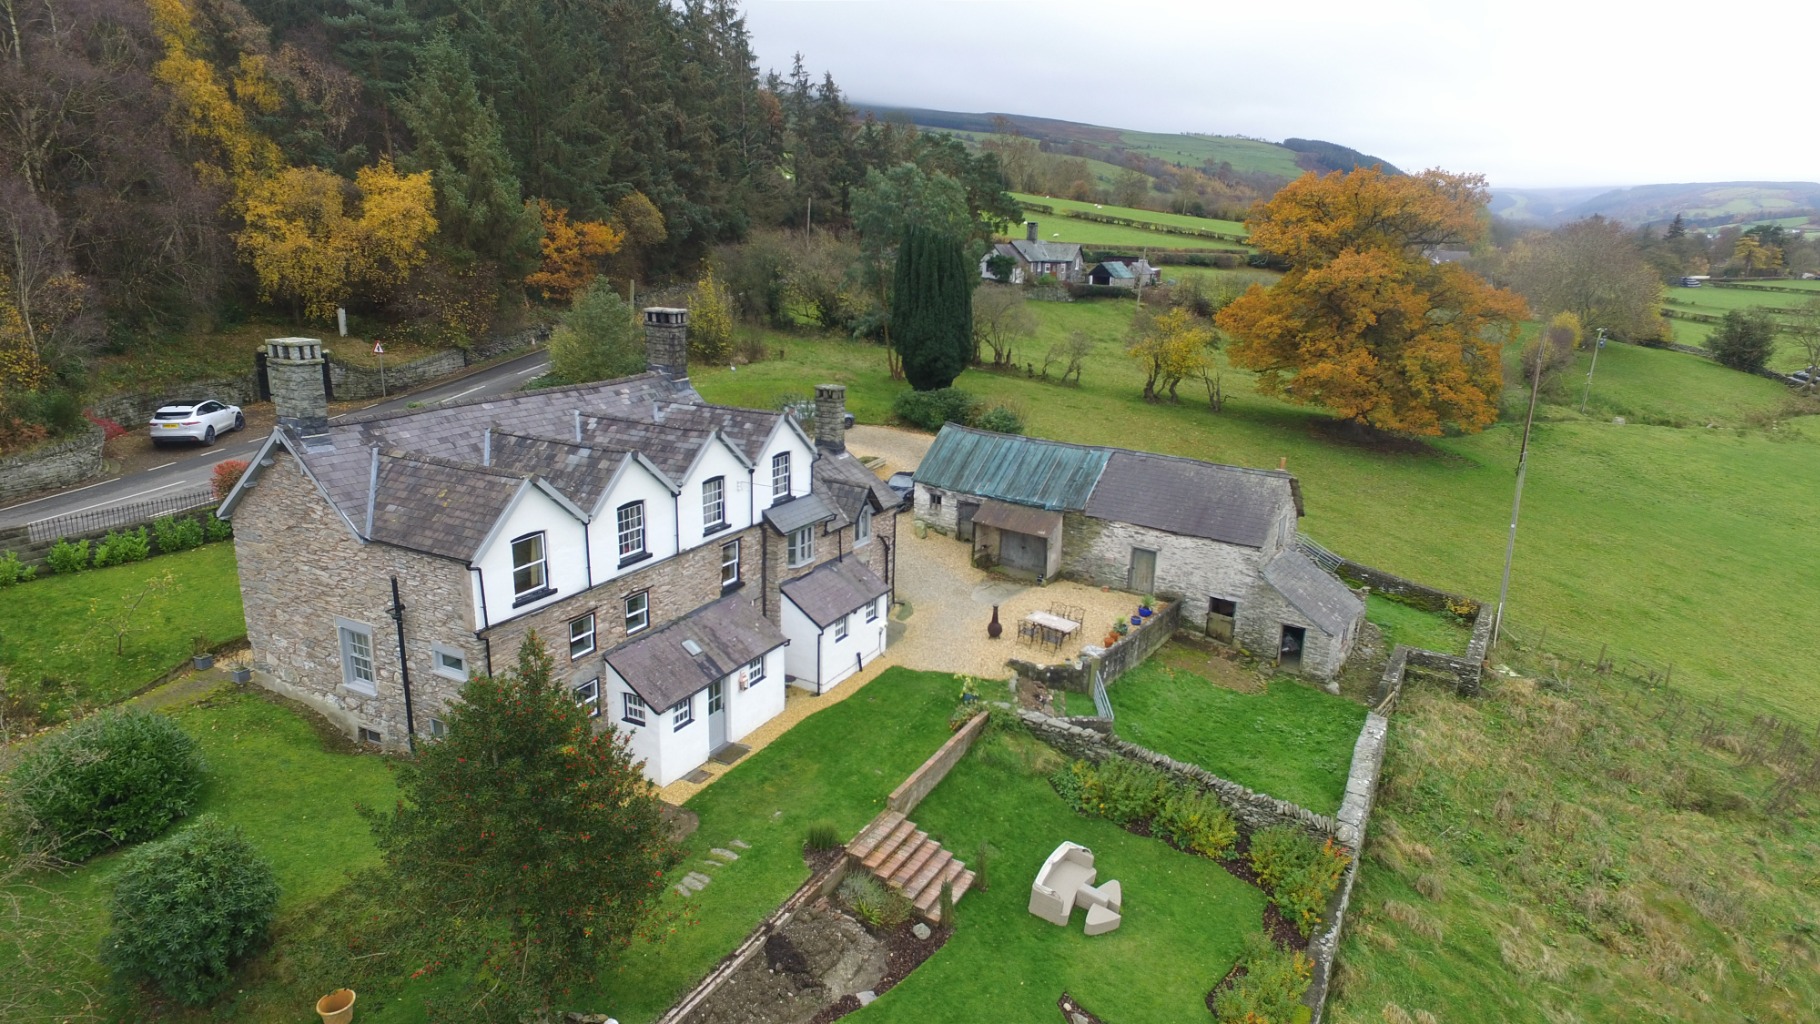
x=905 y=486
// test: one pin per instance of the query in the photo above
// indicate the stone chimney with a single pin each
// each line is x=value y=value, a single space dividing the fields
x=1030 y=231
x=667 y=343
x=831 y=417
x=294 y=368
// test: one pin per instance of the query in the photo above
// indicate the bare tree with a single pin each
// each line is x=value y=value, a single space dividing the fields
x=1000 y=322
x=1803 y=328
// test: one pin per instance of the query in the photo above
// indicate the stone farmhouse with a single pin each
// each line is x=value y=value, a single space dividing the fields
x=1221 y=539
x=683 y=561
x=1034 y=258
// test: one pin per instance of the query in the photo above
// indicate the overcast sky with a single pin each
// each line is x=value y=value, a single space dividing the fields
x=1546 y=93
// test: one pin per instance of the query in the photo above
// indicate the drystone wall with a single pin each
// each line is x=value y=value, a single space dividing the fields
x=134 y=409
x=49 y=467
x=351 y=382
x=1129 y=652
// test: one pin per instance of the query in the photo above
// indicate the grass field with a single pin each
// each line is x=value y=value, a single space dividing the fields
x=1579 y=855
x=1064 y=206
x=64 y=628
x=1402 y=624
x=269 y=773
x=1185 y=917
x=1292 y=741
x=1718 y=301
x=1089 y=233
x=1666 y=542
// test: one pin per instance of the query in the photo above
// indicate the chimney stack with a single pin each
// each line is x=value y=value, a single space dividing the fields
x=1030 y=230
x=667 y=343
x=831 y=417
x=294 y=367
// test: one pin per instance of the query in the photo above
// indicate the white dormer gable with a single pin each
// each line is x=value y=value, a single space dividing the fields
x=715 y=495
x=635 y=521
x=535 y=553
x=786 y=439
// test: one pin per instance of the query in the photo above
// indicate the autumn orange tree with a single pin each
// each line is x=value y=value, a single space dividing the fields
x=1364 y=323
x=1171 y=347
x=572 y=252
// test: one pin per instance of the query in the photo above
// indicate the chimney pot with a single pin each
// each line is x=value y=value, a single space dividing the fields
x=831 y=417
x=1030 y=230
x=667 y=343
x=294 y=368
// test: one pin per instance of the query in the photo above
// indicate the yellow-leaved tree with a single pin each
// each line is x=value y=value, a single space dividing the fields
x=315 y=241
x=573 y=252
x=1364 y=323
x=214 y=113
x=1171 y=347
x=710 y=319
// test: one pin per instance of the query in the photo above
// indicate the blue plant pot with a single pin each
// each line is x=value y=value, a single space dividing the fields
x=1145 y=613
x=1137 y=620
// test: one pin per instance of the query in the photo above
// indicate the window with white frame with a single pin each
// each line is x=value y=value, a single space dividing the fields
x=357 y=656
x=633 y=712
x=683 y=713
x=448 y=662
x=528 y=576
x=729 y=563
x=840 y=628
x=755 y=671
x=581 y=636
x=587 y=696
x=631 y=530
x=714 y=503
x=862 y=527
x=872 y=609
x=780 y=477
x=638 y=611
x=802 y=547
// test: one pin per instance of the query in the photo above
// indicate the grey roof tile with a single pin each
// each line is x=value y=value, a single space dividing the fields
x=834 y=589
x=729 y=633
x=436 y=506
x=799 y=512
x=1190 y=497
x=1046 y=252
x=1327 y=602
x=848 y=485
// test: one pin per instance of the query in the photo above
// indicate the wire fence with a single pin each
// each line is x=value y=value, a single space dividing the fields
x=116 y=516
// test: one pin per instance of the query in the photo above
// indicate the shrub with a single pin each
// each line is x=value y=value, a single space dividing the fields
x=928 y=410
x=227 y=473
x=1197 y=822
x=1744 y=341
x=176 y=534
x=67 y=556
x=1119 y=791
x=1001 y=419
x=13 y=571
x=1270 y=991
x=1298 y=875
x=874 y=904
x=115 y=777
x=214 y=529
x=119 y=548
x=187 y=908
x=822 y=836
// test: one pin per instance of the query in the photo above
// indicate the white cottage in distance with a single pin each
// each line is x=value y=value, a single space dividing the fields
x=684 y=561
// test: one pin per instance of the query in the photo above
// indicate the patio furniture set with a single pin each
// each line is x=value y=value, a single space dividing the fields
x=1066 y=882
x=1051 y=628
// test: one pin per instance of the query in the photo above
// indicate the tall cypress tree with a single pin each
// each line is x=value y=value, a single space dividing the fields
x=931 y=308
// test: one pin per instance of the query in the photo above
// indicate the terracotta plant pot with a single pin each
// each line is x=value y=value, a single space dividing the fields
x=337 y=1007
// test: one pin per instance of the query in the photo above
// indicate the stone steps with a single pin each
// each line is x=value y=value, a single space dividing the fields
x=907 y=860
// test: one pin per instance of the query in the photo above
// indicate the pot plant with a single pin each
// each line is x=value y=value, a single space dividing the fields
x=199 y=653
x=1147 y=607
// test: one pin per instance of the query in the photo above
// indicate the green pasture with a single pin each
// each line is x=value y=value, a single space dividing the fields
x=1719 y=301
x=1406 y=624
x=1054 y=228
x=1688 y=542
x=1063 y=206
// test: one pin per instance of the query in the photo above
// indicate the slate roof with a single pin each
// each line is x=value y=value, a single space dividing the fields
x=1326 y=601
x=1190 y=498
x=1115 y=269
x=437 y=506
x=799 y=512
x=580 y=471
x=834 y=589
x=848 y=485
x=1046 y=252
x=729 y=633
x=1022 y=470
x=1019 y=519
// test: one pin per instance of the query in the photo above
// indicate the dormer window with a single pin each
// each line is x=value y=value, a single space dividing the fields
x=780 y=477
x=631 y=532
x=714 y=504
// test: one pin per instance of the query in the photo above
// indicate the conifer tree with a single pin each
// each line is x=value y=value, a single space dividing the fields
x=931 y=309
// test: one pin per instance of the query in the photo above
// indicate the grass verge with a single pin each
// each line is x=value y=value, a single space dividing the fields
x=1185 y=917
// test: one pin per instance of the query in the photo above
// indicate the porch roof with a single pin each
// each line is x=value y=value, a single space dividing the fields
x=1019 y=519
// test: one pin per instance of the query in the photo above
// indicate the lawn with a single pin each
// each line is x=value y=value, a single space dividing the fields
x=1659 y=540
x=64 y=628
x=1056 y=228
x=1291 y=741
x=1579 y=855
x=1404 y=624
x=1181 y=220
x=1185 y=917
x=269 y=773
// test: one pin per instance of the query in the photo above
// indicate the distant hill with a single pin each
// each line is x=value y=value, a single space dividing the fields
x=1331 y=156
x=1700 y=204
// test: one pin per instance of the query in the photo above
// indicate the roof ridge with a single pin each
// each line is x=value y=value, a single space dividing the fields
x=1281 y=474
x=565 y=442
x=405 y=455
x=351 y=419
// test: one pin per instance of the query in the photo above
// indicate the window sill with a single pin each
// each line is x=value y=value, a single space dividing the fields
x=578 y=655
x=460 y=677
x=635 y=632
x=634 y=559
x=353 y=690
x=732 y=585
x=709 y=531
x=798 y=565
x=635 y=725
x=521 y=600
x=685 y=725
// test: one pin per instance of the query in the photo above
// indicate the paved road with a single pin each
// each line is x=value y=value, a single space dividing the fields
x=189 y=469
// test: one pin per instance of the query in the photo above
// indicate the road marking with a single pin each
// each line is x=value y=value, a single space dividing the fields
x=116 y=501
x=469 y=391
x=539 y=368
x=155 y=468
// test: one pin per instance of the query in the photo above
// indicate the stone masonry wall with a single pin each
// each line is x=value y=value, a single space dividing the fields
x=134 y=409
x=52 y=466
x=1259 y=631
x=352 y=382
x=1098 y=552
x=301 y=568
x=876 y=554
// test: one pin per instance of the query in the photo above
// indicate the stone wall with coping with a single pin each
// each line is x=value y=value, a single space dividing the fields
x=350 y=382
x=1129 y=652
x=907 y=795
x=18 y=540
x=133 y=410
x=52 y=466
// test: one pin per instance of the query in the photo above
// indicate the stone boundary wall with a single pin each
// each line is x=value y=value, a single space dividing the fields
x=819 y=885
x=1131 y=651
x=52 y=466
x=1250 y=808
x=1420 y=595
x=17 y=539
x=357 y=382
x=905 y=797
x=133 y=410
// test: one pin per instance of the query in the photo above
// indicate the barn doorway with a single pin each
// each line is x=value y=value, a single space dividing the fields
x=1142 y=579
x=1289 y=650
x=1023 y=551
x=1221 y=616
x=963 y=520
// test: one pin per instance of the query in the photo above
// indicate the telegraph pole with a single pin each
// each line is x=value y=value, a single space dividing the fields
x=1590 y=371
x=1516 y=505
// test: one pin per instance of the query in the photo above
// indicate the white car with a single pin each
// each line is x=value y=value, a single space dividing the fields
x=195 y=421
